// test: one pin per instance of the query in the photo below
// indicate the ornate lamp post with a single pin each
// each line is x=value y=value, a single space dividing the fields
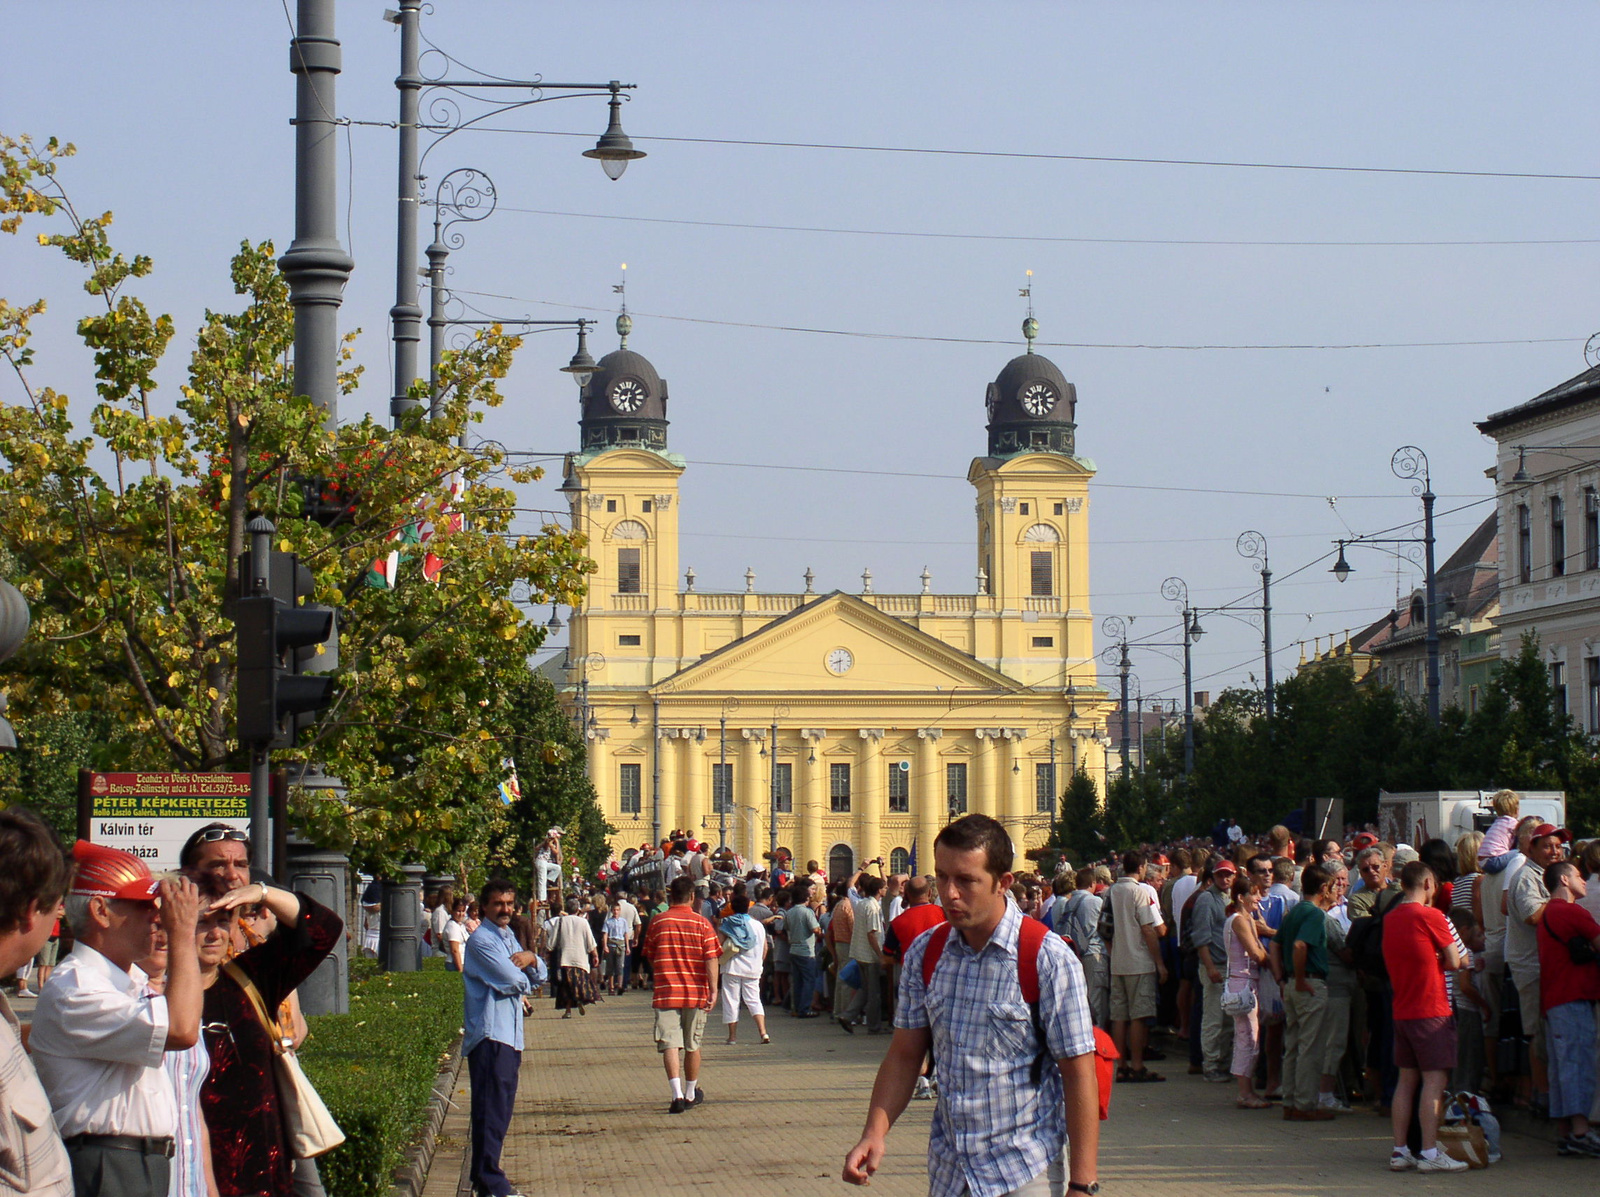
x=1410 y=462
x=613 y=150
x=1176 y=590
x=1253 y=547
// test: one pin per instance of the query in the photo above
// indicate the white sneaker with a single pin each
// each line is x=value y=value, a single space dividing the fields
x=1401 y=1160
x=923 y=1090
x=1441 y=1163
x=1330 y=1102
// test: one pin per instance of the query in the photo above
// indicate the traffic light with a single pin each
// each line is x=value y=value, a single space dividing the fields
x=283 y=645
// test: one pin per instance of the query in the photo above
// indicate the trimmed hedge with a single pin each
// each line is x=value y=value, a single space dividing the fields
x=375 y=1068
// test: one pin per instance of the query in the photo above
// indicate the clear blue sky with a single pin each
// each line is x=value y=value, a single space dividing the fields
x=180 y=113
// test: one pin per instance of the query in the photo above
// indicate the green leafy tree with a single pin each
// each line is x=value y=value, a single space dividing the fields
x=1080 y=829
x=127 y=537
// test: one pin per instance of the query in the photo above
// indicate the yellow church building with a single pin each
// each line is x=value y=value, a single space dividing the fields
x=841 y=727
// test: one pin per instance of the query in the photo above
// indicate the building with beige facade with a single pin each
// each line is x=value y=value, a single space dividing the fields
x=1547 y=487
x=839 y=726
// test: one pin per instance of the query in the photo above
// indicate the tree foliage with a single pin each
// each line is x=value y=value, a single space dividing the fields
x=126 y=538
x=1333 y=737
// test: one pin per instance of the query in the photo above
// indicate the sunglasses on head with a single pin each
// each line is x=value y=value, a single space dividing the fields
x=214 y=834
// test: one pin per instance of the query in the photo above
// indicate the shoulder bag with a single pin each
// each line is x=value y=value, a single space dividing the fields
x=311 y=1129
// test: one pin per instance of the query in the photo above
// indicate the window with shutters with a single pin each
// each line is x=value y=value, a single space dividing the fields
x=1558 y=537
x=1044 y=787
x=1043 y=573
x=839 y=788
x=899 y=861
x=899 y=787
x=783 y=788
x=1524 y=544
x=628 y=571
x=1591 y=528
x=955 y=786
x=722 y=788
x=630 y=788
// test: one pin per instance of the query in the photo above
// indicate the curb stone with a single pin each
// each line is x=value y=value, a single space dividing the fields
x=411 y=1176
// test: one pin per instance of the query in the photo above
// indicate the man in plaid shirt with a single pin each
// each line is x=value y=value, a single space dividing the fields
x=996 y=1132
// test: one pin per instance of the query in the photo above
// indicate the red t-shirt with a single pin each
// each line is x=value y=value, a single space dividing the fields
x=912 y=922
x=678 y=944
x=1560 y=980
x=1412 y=936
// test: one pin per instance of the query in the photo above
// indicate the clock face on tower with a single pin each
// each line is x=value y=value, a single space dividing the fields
x=1037 y=398
x=992 y=399
x=840 y=660
x=627 y=395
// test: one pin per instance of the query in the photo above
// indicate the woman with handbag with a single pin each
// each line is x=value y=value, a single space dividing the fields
x=573 y=957
x=261 y=1113
x=1239 y=991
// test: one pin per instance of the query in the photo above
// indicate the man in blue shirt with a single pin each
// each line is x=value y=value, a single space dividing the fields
x=999 y=1128
x=492 y=970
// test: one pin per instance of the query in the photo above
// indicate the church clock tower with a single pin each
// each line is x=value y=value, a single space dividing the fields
x=1033 y=503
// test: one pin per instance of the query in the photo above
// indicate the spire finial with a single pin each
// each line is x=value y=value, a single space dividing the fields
x=1030 y=326
x=624 y=321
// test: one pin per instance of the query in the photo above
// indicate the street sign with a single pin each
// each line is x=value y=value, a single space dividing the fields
x=152 y=814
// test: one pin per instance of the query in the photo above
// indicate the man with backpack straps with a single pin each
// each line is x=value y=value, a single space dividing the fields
x=1002 y=1124
x=1076 y=917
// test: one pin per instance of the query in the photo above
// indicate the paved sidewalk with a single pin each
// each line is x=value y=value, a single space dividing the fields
x=592 y=1119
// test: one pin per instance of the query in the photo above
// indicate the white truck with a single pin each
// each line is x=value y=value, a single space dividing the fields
x=1449 y=814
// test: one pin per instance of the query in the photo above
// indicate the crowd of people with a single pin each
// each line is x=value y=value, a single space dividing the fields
x=1428 y=983
x=152 y=1059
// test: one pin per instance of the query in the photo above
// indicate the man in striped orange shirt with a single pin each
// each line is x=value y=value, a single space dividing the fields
x=683 y=952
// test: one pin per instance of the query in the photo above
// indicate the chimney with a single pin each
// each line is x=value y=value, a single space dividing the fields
x=1202 y=699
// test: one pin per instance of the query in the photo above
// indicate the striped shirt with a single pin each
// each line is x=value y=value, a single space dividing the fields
x=678 y=945
x=188 y=1070
x=993 y=1129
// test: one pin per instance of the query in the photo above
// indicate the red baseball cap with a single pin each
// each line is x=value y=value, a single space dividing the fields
x=1225 y=866
x=1365 y=840
x=109 y=873
x=1544 y=829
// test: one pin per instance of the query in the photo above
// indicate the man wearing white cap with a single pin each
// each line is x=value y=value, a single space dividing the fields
x=99 y=1036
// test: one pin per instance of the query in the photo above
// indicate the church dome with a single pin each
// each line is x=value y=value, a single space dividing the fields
x=1032 y=408
x=624 y=403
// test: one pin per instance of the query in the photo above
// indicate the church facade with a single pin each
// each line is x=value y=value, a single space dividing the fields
x=841 y=727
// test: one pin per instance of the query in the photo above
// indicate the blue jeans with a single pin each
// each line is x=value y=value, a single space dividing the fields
x=1570 y=1027
x=492 y=1069
x=803 y=979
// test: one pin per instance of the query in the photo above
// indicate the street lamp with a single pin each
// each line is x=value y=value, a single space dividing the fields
x=1411 y=462
x=1176 y=590
x=722 y=792
x=613 y=149
x=1253 y=547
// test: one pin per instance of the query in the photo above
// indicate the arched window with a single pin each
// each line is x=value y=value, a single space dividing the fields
x=1041 y=534
x=1419 y=614
x=899 y=861
x=841 y=862
x=630 y=530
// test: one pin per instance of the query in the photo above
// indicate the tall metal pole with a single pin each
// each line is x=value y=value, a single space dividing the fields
x=1433 y=614
x=772 y=822
x=438 y=254
x=260 y=529
x=406 y=316
x=1055 y=782
x=722 y=782
x=1188 y=695
x=316 y=266
x=655 y=779
x=1122 y=669
x=1139 y=706
x=1266 y=636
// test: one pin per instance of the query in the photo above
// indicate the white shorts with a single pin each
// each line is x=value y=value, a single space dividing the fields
x=737 y=991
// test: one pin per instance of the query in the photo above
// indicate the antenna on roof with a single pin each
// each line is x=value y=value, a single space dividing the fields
x=624 y=321
x=1030 y=326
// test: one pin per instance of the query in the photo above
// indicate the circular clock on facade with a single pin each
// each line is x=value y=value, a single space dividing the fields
x=992 y=399
x=840 y=660
x=1037 y=398
x=627 y=395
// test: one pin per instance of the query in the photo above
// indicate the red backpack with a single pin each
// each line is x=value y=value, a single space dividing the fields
x=1030 y=941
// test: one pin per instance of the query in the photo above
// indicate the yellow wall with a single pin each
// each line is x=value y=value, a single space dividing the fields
x=973 y=679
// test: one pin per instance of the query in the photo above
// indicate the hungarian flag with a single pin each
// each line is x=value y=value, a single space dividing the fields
x=432 y=563
x=384 y=572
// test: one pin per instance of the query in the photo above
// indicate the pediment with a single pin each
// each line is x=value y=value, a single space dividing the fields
x=790 y=655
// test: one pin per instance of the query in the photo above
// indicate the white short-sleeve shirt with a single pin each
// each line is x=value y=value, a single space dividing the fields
x=98 y=1040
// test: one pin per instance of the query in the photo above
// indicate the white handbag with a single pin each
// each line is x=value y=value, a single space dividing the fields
x=310 y=1127
x=1240 y=1001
